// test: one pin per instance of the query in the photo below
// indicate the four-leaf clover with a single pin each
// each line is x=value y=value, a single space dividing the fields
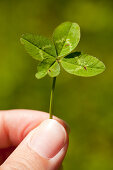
x=53 y=54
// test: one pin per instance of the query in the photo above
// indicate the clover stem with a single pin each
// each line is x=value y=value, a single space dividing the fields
x=51 y=98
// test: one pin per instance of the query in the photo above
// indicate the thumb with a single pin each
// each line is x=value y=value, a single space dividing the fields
x=43 y=148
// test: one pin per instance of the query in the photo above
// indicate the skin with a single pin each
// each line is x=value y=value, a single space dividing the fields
x=15 y=127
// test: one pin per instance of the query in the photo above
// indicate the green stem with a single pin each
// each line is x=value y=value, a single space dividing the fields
x=51 y=98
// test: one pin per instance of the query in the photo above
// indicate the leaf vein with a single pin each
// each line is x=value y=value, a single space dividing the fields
x=39 y=48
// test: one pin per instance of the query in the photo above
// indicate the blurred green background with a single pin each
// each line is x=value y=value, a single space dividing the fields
x=85 y=103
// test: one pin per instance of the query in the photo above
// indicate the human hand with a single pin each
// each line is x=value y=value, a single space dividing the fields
x=30 y=142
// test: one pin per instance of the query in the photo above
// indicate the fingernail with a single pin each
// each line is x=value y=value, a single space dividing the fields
x=48 y=139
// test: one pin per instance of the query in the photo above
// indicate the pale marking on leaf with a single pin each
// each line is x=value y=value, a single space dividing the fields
x=60 y=41
x=79 y=68
x=81 y=62
x=41 y=53
x=46 y=46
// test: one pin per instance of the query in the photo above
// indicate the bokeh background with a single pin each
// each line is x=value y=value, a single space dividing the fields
x=85 y=103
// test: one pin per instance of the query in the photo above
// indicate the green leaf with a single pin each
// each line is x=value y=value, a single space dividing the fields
x=82 y=65
x=38 y=47
x=66 y=37
x=48 y=66
x=44 y=66
x=54 y=70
